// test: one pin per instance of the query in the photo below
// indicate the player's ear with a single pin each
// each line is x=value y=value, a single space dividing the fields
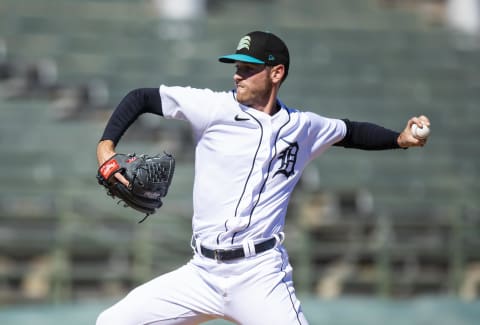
x=277 y=72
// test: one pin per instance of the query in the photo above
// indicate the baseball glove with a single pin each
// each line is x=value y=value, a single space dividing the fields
x=149 y=178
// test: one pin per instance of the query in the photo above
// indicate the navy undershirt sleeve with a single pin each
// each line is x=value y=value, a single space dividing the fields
x=135 y=103
x=368 y=136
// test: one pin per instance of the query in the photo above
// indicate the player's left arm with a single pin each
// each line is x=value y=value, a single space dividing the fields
x=370 y=136
x=134 y=104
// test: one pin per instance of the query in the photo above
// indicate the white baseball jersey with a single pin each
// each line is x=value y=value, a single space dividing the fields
x=247 y=162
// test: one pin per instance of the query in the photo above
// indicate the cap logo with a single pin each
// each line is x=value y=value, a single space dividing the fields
x=271 y=57
x=244 y=43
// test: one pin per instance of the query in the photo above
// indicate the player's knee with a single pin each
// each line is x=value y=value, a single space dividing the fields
x=102 y=319
x=106 y=317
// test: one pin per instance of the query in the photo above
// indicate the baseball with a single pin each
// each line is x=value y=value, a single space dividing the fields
x=420 y=133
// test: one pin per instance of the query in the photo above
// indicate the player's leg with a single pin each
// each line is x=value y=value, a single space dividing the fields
x=181 y=297
x=267 y=294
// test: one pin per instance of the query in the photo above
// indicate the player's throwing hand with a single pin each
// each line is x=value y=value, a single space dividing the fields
x=408 y=138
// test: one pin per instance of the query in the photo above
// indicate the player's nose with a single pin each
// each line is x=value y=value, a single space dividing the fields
x=237 y=77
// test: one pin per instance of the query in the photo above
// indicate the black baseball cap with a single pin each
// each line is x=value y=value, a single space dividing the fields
x=261 y=48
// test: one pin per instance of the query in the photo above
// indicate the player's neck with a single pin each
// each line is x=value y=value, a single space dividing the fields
x=270 y=105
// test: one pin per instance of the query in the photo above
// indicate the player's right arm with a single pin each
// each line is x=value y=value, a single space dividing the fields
x=370 y=136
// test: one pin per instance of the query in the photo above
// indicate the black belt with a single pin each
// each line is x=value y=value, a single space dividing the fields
x=231 y=254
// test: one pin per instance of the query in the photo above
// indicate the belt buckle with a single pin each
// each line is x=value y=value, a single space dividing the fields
x=217 y=255
x=221 y=254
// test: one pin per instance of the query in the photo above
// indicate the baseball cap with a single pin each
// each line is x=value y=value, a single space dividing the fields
x=261 y=48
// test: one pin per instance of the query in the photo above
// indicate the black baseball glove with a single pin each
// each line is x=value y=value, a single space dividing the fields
x=149 y=178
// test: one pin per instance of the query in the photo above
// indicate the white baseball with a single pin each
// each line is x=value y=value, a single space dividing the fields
x=420 y=132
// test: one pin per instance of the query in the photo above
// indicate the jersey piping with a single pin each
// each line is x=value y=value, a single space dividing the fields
x=248 y=177
x=267 y=176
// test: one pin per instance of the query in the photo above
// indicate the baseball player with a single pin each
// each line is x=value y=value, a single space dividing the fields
x=250 y=151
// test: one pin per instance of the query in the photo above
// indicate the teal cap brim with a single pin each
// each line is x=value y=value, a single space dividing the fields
x=239 y=57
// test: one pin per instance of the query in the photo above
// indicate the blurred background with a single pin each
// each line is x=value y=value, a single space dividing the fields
x=374 y=237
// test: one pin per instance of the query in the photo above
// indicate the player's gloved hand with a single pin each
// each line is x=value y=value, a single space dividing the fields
x=148 y=179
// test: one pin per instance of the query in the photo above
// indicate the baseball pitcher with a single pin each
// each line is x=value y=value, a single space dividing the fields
x=250 y=151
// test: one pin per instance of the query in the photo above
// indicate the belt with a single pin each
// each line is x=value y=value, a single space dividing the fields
x=234 y=253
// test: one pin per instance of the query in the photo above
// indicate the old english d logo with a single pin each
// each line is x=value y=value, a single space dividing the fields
x=244 y=43
x=288 y=159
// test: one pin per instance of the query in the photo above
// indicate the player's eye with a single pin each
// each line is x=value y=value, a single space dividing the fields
x=242 y=71
x=248 y=69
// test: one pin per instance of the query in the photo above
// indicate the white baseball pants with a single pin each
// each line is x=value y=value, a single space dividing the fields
x=250 y=291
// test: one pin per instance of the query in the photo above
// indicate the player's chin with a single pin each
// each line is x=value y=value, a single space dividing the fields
x=242 y=97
